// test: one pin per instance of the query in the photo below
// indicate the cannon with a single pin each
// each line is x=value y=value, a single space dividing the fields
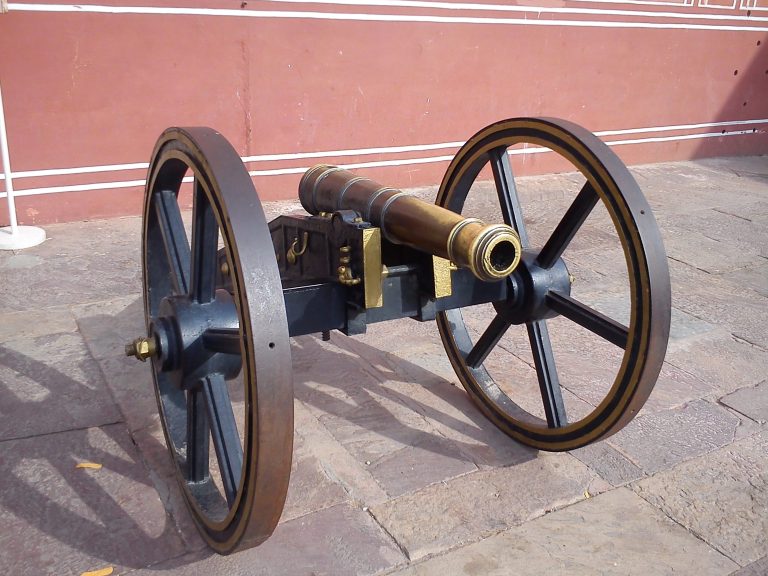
x=222 y=302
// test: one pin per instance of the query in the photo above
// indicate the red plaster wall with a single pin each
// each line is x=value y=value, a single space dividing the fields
x=84 y=90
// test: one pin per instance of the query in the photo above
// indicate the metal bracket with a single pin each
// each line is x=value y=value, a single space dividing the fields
x=373 y=270
x=294 y=251
x=441 y=271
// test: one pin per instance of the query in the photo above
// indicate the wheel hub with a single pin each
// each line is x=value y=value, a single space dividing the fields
x=176 y=337
x=528 y=288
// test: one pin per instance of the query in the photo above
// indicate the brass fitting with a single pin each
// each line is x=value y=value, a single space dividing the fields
x=294 y=251
x=141 y=348
x=344 y=271
x=491 y=252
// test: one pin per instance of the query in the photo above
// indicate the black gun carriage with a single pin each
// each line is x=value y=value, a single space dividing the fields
x=221 y=306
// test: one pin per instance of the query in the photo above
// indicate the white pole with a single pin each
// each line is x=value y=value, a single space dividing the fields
x=7 y=169
x=16 y=237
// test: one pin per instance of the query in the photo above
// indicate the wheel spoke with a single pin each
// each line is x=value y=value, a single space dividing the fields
x=589 y=318
x=226 y=440
x=549 y=383
x=205 y=240
x=487 y=341
x=225 y=340
x=572 y=220
x=174 y=410
x=198 y=437
x=507 y=191
x=174 y=239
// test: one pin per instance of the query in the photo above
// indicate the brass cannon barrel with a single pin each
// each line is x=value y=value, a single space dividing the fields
x=490 y=251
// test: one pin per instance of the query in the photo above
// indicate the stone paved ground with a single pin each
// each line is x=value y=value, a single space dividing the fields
x=395 y=471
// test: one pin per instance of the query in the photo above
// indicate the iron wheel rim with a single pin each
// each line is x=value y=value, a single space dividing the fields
x=648 y=275
x=263 y=332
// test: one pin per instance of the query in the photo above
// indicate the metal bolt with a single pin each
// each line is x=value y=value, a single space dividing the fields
x=141 y=348
x=225 y=268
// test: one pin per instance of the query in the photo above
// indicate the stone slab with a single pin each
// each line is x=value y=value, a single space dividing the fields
x=419 y=374
x=722 y=225
x=675 y=387
x=613 y=534
x=311 y=487
x=736 y=168
x=59 y=519
x=756 y=211
x=659 y=440
x=31 y=323
x=477 y=505
x=684 y=326
x=721 y=361
x=337 y=541
x=754 y=277
x=710 y=255
x=608 y=463
x=719 y=301
x=338 y=464
x=601 y=269
x=683 y=187
x=752 y=402
x=50 y=383
x=722 y=498
x=454 y=416
x=358 y=403
x=107 y=327
x=431 y=460
x=756 y=568
x=404 y=352
x=79 y=262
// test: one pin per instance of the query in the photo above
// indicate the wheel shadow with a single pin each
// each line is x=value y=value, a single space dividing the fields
x=355 y=389
x=109 y=515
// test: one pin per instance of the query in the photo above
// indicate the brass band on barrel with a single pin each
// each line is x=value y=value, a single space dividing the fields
x=490 y=252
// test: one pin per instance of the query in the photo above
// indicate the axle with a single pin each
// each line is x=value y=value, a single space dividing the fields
x=490 y=252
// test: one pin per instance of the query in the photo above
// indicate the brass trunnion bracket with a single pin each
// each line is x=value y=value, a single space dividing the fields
x=373 y=269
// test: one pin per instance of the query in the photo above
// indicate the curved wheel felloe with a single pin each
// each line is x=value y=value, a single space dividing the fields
x=540 y=288
x=220 y=357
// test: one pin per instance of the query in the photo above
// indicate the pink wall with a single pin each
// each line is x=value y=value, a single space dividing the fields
x=85 y=89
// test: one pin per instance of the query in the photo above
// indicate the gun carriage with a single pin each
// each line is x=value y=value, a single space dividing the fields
x=221 y=306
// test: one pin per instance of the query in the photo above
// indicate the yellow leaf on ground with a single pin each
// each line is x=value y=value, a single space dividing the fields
x=92 y=465
x=103 y=572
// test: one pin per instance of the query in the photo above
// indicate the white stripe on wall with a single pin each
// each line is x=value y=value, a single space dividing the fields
x=278 y=14
x=526 y=9
x=389 y=163
x=379 y=150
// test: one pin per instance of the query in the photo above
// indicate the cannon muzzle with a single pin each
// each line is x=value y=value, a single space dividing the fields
x=490 y=251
